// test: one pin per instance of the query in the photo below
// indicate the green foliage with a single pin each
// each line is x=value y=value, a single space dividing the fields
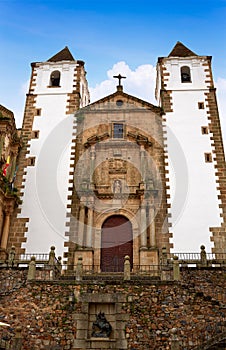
x=80 y=118
x=6 y=186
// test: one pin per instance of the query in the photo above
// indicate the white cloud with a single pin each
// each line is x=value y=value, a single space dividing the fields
x=139 y=82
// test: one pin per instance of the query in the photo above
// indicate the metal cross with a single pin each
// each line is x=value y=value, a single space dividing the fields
x=119 y=77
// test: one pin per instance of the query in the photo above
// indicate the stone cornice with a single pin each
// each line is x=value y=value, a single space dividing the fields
x=140 y=139
x=95 y=139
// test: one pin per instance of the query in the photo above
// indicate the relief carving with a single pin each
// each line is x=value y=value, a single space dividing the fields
x=117 y=166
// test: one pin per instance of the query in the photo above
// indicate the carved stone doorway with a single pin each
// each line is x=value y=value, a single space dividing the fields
x=116 y=243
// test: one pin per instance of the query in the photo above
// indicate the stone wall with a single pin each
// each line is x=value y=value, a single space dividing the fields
x=49 y=316
x=44 y=312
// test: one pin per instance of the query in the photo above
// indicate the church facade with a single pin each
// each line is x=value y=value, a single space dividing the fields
x=120 y=177
x=119 y=203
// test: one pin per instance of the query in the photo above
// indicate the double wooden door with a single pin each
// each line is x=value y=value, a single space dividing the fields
x=116 y=243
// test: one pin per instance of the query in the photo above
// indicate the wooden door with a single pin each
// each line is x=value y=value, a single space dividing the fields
x=116 y=242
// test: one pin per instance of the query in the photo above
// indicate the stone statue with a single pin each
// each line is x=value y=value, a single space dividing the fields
x=117 y=186
x=101 y=327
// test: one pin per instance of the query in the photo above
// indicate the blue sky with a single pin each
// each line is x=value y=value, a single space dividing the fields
x=103 y=33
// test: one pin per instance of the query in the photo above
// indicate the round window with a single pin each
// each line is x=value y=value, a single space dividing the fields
x=119 y=103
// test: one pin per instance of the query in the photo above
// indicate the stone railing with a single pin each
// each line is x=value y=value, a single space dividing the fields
x=55 y=271
x=11 y=259
x=42 y=266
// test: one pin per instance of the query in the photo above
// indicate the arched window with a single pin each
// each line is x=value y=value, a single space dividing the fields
x=55 y=78
x=185 y=74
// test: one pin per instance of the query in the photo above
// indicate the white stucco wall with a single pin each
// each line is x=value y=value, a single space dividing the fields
x=46 y=191
x=193 y=188
x=44 y=70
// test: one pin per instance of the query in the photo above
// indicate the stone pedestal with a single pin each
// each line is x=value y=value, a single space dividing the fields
x=148 y=257
x=87 y=258
x=100 y=343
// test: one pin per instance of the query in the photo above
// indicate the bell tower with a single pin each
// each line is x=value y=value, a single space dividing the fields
x=58 y=87
x=193 y=142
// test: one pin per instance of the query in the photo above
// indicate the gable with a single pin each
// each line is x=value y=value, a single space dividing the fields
x=122 y=101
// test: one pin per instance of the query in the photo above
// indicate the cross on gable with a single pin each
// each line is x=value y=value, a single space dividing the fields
x=119 y=77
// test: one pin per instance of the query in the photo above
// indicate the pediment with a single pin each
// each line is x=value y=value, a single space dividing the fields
x=121 y=100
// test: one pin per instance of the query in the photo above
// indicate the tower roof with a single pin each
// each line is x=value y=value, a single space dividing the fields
x=180 y=50
x=63 y=55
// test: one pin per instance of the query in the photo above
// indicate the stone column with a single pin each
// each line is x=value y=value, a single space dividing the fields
x=5 y=231
x=11 y=258
x=31 y=269
x=52 y=256
x=79 y=269
x=175 y=345
x=81 y=225
x=152 y=226
x=143 y=227
x=92 y=162
x=89 y=236
x=17 y=343
x=164 y=256
x=1 y=223
x=176 y=269
x=13 y=167
x=127 y=268
x=142 y=162
x=203 y=256
x=2 y=139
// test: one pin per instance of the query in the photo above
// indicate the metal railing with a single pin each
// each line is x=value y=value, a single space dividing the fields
x=27 y=257
x=195 y=258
